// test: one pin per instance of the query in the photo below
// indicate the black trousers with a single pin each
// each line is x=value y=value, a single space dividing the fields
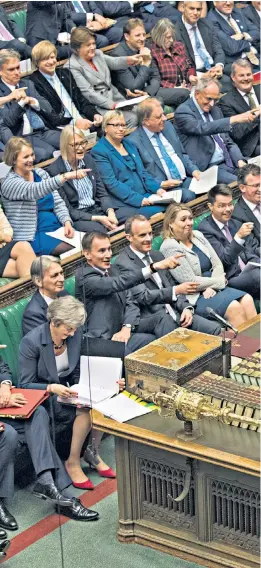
x=248 y=281
x=44 y=143
x=35 y=433
x=162 y=323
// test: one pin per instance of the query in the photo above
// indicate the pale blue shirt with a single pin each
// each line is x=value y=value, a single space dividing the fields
x=218 y=155
x=171 y=152
x=70 y=108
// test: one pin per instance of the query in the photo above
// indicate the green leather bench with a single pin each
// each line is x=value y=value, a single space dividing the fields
x=20 y=19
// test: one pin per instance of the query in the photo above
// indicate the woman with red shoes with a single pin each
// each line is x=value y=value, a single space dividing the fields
x=49 y=359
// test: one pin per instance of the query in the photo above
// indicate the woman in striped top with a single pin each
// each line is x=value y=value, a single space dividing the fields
x=31 y=201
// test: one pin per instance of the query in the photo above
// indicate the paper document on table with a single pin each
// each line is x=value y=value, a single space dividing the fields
x=76 y=241
x=99 y=378
x=168 y=197
x=64 y=37
x=122 y=408
x=131 y=102
x=207 y=180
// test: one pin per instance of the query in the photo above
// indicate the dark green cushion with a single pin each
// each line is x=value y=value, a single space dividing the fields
x=20 y=19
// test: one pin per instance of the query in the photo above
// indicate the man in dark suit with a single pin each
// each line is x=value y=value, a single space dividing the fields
x=170 y=164
x=11 y=36
x=201 y=43
x=89 y=14
x=237 y=36
x=25 y=115
x=112 y=313
x=253 y=13
x=159 y=295
x=204 y=131
x=242 y=97
x=143 y=78
x=57 y=85
x=35 y=432
x=234 y=242
x=45 y=20
x=47 y=274
x=149 y=12
x=247 y=208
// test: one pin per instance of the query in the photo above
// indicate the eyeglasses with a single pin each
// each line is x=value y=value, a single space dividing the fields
x=123 y=126
x=79 y=144
x=255 y=185
x=210 y=99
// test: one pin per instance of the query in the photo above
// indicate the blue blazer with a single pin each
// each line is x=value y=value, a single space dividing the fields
x=196 y=134
x=149 y=156
x=118 y=177
x=37 y=367
x=232 y=47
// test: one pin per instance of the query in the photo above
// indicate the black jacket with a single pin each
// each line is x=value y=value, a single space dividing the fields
x=209 y=37
x=45 y=20
x=245 y=135
x=5 y=374
x=12 y=113
x=138 y=77
x=56 y=117
x=252 y=16
x=108 y=301
x=229 y=252
x=150 y=298
x=244 y=214
x=35 y=312
x=69 y=194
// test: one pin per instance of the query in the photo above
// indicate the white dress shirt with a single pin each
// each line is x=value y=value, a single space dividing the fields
x=171 y=152
x=245 y=96
x=221 y=226
x=198 y=60
x=47 y=299
x=62 y=362
x=27 y=129
x=253 y=208
x=70 y=108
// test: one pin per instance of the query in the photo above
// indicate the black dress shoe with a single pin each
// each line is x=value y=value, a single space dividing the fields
x=7 y=521
x=51 y=493
x=78 y=512
x=4 y=545
x=3 y=534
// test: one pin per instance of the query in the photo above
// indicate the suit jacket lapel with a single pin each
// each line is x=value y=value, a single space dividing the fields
x=205 y=37
x=186 y=41
x=48 y=354
x=150 y=148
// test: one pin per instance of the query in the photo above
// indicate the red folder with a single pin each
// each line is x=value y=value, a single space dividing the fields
x=34 y=399
x=242 y=345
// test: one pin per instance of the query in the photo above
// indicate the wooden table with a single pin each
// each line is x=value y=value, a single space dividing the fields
x=217 y=524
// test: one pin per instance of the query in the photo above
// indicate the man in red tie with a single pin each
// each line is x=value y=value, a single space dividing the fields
x=233 y=241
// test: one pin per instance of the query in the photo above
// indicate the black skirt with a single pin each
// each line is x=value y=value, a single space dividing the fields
x=5 y=255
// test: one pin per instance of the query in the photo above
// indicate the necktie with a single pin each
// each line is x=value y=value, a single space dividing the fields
x=229 y=237
x=34 y=120
x=202 y=52
x=78 y=7
x=174 y=172
x=232 y=23
x=157 y=279
x=221 y=144
x=4 y=33
x=251 y=100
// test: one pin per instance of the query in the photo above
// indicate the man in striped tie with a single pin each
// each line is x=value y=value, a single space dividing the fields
x=233 y=241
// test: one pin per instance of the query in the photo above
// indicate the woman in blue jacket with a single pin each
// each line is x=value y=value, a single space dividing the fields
x=122 y=171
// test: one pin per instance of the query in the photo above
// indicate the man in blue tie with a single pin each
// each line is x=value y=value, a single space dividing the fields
x=161 y=150
x=204 y=131
x=27 y=111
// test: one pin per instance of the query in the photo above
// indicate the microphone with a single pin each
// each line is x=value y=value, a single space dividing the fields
x=221 y=320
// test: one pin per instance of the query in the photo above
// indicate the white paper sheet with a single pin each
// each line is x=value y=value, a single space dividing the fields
x=256 y=160
x=131 y=102
x=75 y=241
x=64 y=37
x=122 y=408
x=169 y=197
x=207 y=180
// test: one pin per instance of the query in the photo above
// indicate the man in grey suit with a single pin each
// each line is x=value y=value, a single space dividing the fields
x=161 y=150
x=205 y=132
x=160 y=295
x=112 y=312
x=247 y=208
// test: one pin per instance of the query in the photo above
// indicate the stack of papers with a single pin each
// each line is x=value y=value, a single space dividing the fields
x=76 y=241
x=168 y=197
x=131 y=102
x=122 y=408
x=208 y=179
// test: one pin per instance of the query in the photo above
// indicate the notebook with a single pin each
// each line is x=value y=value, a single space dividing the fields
x=34 y=398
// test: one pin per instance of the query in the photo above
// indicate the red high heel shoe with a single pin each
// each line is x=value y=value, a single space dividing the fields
x=110 y=473
x=84 y=484
x=90 y=456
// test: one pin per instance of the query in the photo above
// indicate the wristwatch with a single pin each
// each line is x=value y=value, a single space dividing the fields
x=128 y=325
x=152 y=268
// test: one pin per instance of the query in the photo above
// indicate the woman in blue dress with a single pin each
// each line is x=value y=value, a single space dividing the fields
x=201 y=264
x=31 y=200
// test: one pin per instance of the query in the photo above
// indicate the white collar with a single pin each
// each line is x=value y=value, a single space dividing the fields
x=11 y=87
x=251 y=205
x=148 y=132
x=189 y=26
x=224 y=15
x=47 y=299
x=252 y=92
x=139 y=254
x=219 y=224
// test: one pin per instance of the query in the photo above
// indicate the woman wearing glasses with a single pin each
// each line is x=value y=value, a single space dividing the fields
x=86 y=198
x=128 y=183
x=31 y=201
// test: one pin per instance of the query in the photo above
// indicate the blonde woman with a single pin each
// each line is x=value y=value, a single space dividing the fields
x=201 y=264
x=15 y=257
x=87 y=200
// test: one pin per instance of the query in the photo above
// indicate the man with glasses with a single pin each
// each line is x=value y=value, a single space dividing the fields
x=47 y=275
x=247 y=208
x=205 y=132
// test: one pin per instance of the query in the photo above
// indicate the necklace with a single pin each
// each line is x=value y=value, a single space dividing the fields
x=56 y=347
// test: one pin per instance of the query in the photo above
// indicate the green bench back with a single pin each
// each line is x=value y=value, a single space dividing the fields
x=20 y=19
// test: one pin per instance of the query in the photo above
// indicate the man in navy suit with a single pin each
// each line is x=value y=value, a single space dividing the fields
x=253 y=13
x=205 y=132
x=238 y=37
x=168 y=164
x=90 y=14
x=234 y=242
x=149 y=12
x=247 y=208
